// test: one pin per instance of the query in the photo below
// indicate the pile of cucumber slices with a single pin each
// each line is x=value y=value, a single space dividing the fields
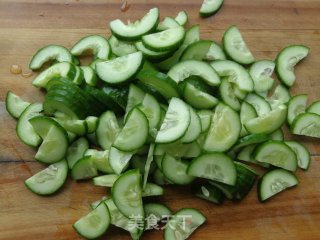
x=156 y=106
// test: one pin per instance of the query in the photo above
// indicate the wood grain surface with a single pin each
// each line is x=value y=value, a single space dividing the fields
x=267 y=26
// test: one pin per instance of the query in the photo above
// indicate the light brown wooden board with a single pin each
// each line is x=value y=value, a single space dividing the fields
x=267 y=26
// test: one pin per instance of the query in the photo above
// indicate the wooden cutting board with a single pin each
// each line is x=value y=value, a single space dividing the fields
x=267 y=26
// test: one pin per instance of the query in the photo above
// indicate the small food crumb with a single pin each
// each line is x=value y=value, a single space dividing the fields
x=15 y=69
x=41 y=14
x=125 y=6
x=27 y=74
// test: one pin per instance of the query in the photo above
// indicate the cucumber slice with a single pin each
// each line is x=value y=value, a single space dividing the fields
x=60 y=101
x=277 y=135
x=75 y=61
x=166 y=40
x=296 y=106
x=277 y=154
x=121 y=48
x=49 y=180
x=118 y=219
x=224 y=129
x=269 y=122
x=84 y=168
x=105 y=180
x=151 y=108
x=204 y=50
x=135 y=97
x=71 y=136
x=159 y=178
x=78 y=127
x=235 y=46
x=259 y=103
x=183 y=70
x=182 y=18
x=50 y=52
x=120 y=69
x=176 y=170
x=77 y=102
x=261 y=72
x=76 y=151
x=286 y=61
x=306 y=124
x=245 y=180
x=314 y=108
x=89 y=75
x=178 y=149
x=79 y=77
x=196 y=50
x=134 y=133
x=192 y=35
x=227 y=95
x=274 y=182
x=214 y=166
x=152 y=189
x=15 y=105
x=127 y=194
x=167 y=23
x=176 y=122
x=208 y=192
x=95 y=224
x=227 y=190
x=64 y=69
x=205 y=119
x=139 y=160
x=148 y=66
x=147 y=166
x=96 y=203
x=239 y=93
x=100 y=159
x=281 y=95
x=24 y=129
x=235 y=72
x=134 y=31
x=156 y=209
x=151 y=55
x=107 y=129
x=161 y=82
x=303 y=155
x=210 y=7
x=158 y=161
x=92 y=123
x=197 y=98
x=177 y=229
x=94 y=63
x=119 y=96
x=251 y=139
x=194 y=128
x=97 y=44
x=119 y=160
x=215 y=53
x=246 y=155
x=247 y=112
